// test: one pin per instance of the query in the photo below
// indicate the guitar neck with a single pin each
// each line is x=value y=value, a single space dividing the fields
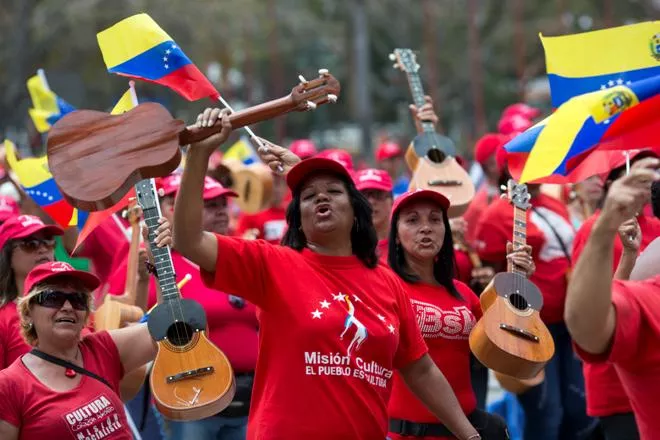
x=417 y=91
x=165 y=276
x=519 y=235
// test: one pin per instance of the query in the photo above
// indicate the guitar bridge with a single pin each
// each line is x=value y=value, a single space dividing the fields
x=520 y=332
x=190 y=373
x=442 y=182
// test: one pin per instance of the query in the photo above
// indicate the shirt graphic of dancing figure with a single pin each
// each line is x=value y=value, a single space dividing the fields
x=360 y=329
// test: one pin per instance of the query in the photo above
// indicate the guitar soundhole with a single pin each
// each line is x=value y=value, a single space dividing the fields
x=179 y=334
x=518 y=301
x=436 y=155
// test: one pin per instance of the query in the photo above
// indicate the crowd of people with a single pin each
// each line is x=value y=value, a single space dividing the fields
x=346 y=305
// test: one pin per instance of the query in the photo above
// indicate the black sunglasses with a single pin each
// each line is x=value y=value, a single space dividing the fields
x=236 y=301
x=33 y=244
x=54 y=299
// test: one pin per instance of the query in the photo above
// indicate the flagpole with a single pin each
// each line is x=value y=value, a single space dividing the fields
x=42 y=75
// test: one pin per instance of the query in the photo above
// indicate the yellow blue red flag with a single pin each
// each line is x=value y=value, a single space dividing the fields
x=137 y=47
x=47 y=107
x=242 y=150
x=582 y=63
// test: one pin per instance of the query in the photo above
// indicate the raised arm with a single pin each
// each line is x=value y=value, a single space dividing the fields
x=189 y=237
x=589 y=314
x=631 y=237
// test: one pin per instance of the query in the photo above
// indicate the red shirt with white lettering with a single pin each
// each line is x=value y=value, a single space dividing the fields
x=446 y=323
x=634 y=349
x=332 y=331
x=233 y=330
x=605 y=393
x=552 y=264
x=271 y=224
x=12 y=344
x=90 y=410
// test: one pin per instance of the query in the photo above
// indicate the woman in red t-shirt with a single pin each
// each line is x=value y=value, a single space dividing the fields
x=334 y=324
x=25 y=242
x=39 y=397
x=422 y=254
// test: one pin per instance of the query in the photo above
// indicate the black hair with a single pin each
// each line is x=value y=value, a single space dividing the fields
x=655 y=198
x=363 y=234
x=619 y=171
x=8 y=288
x=443 y=266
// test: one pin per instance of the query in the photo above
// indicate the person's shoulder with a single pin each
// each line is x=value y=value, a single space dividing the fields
x=552 y=203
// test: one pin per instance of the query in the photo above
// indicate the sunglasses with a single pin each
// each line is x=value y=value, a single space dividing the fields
x=33 y=244
x=236 y=302
x=54 y=299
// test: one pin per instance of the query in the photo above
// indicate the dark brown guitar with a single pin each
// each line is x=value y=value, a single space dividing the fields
x=431 y=156
x=511 y=338
x=96 y=157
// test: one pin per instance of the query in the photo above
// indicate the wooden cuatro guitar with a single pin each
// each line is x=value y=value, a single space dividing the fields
x=191 y=378
x=431 y=156
x=511 y=338
x=253 y=183
x=117 y=311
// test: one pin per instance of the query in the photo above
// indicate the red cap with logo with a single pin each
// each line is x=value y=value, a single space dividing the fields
x=487 y=146
x=8 y=208
x=522 y=109
x=513 y=124
x=312 y=166
x=59 y=269
x=341 y=156
x=388 y=150
x=420 y=194
x=213 y=189
x=303 y=148
x=168 y=185
x=23 y=226
x=372 y=178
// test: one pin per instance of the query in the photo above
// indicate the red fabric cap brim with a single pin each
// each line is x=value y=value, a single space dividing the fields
x=314 y=166
x=89 y=280
x=421 y=194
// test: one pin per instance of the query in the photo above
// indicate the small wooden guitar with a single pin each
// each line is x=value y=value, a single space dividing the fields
x=95 y=157
x=117 y=311
x=253 y=183
x=191 y=378
x=431 y=156
x=511 y=338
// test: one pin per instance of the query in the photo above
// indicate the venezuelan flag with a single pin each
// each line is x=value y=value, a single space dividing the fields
x=242 y=150
x=582 y=63
x=137 y=47
x=47 y=108
x=622 y=117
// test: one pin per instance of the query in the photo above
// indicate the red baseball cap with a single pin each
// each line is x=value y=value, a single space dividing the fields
x=8 y=207
x=168 y=185
x=372 y=178
x=341 y=156
x=521 y=109
x=388 y=150
x=312 y=166
x=513 y=124
x=420 y=194
x=487 y=145
x=59 y=269
x=22 y=226
x=213 y=189
x=303 y=148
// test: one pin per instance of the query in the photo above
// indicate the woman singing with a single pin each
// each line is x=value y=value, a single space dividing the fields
x=422 y=254
x=40 y=397
x=334 y=325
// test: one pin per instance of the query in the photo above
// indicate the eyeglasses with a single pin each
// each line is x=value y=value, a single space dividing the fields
x=33 y=244
x=54 y=299
x=236 y=302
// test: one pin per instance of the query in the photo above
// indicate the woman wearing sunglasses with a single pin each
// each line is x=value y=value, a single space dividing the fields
x=67 y=387
x=25 y=241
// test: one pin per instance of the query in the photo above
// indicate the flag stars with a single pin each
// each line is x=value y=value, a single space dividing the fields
x=619 y=81
x=610 y=83
x=316 y=314
x=324 y=304
x=628 y=83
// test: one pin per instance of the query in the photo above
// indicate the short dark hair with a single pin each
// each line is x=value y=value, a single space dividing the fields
x=364 y=239
x=443 y=267
x=8 y=288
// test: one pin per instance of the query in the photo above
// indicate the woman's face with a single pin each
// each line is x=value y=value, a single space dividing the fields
x=325 y=208
x=31 y=251
x=60 y=317
x=381 y=204
x=215 y=216
x=421 y=230
x=590 y=190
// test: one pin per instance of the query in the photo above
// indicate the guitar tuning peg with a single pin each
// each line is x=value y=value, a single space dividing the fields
x=311 y=105
x=503 y=187
x=416 y=66
x=395 y=65
x=124 y=213
x=332 y=98
x=302 y=79
x=392 y=57
x=324 y=72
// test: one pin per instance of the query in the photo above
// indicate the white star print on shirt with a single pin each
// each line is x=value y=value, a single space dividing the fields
x=316 y=314
x=338 y=297
x=324 y=304
x=391 y=328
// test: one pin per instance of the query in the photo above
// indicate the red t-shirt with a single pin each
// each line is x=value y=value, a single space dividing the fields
x=496 y=228
x=445 y=322
x=12 y=343
x=463 y=266
x=332 y=333
x=270 y=222
x=88 y=411
x=605 y=394
x=482 y=199
x=634 y=349
x=232 y=330
x=383 y=249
